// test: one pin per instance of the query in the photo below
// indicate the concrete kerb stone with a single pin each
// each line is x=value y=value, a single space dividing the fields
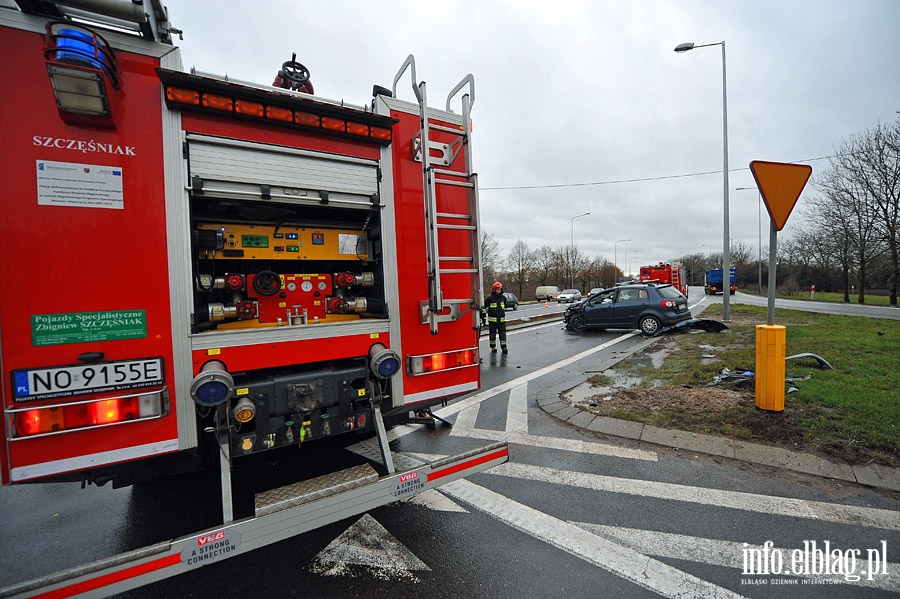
x=689 y=441
x=616 y=427
x=876 y=475
x=873 y=475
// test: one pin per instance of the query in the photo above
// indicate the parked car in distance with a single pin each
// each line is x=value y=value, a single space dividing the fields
x=645 y=306
x=512 y=302
x=595 y=290
x=568 y=295
x=546 y=292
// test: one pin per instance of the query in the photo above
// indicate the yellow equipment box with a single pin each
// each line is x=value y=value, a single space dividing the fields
x=269 y=242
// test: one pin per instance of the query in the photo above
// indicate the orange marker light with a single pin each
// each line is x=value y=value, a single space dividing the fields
x=249 y=108
x=276 y=113
x=217 y=102
x=183 y=96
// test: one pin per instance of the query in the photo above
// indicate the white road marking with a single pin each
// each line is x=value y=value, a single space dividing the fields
x=752 y=502
x=622 y=561
x=517 y=431
x=489 y=393
x=434 y=500
x=367 y=544
x=554 y=323
x=574 y=445
x=714 y=552
x=517 y=410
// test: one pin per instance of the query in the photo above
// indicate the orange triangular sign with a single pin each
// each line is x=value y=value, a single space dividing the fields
x=780 y=185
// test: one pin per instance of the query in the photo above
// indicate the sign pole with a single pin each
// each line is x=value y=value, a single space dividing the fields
x=780 y=185
x=773 y=262
x=771 y=344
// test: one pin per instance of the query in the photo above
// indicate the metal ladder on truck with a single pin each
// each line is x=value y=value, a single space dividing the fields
x=436 y=158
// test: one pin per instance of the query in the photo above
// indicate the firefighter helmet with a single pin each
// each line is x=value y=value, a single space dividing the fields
x=497 y=285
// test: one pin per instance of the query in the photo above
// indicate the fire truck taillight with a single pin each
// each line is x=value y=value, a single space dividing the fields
x=102 y=412
x=213 y=386
x=430 y=363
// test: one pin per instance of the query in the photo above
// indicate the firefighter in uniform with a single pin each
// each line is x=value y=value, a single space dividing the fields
x=495 y=313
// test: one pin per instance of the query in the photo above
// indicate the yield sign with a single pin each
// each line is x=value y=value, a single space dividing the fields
x=780 y=184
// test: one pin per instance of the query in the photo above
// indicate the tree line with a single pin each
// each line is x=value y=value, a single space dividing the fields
x=848 y=240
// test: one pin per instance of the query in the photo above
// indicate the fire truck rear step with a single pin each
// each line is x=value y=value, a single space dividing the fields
x=320 y=487
x=316 y=503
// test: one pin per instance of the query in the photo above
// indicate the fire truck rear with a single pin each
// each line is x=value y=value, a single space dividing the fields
x=672 y=273
x=216 y=268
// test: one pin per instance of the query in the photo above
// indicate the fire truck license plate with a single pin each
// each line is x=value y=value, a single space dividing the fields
x=64 y=381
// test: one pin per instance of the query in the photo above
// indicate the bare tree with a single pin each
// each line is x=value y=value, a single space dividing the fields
x=872 y=162
x=695 y=265
x=599 y=273
x=490 y=258
x=544 y=260
x=559 y=265
x=519 y=264
x=849 y=204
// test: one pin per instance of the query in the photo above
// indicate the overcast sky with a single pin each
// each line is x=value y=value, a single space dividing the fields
x=585 y=107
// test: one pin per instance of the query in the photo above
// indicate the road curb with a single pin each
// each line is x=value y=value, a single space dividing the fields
x=552 y=401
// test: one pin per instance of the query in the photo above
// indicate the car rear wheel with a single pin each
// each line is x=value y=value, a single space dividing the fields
x=576 y=323
x=649 y=325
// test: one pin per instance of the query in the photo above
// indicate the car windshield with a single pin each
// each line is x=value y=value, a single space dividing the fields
x=668 y=292
x=570 y=291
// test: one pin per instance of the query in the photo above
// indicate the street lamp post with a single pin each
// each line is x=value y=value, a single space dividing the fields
x=758 y=230
x=616 y=260
x=627 y=263
x=573 y=246
x=726 y=254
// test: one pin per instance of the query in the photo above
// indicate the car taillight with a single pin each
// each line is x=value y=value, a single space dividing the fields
x=668 y=304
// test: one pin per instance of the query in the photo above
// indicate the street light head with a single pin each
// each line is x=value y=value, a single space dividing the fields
x=684 y=47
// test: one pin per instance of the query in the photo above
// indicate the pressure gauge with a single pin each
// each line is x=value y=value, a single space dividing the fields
x=306 y=286
x=322 y=285
x=292 y=286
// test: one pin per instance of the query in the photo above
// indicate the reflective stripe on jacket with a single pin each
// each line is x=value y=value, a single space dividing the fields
x=495 y=308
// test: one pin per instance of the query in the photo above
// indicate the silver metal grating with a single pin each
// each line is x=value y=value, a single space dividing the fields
x=320 y=487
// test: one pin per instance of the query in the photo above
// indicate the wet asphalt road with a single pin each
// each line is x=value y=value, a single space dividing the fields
x=576 y=514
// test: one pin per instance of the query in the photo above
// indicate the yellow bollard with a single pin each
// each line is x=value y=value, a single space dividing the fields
x=770 y=366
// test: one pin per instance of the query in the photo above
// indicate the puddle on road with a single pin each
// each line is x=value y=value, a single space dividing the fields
x=622 y=376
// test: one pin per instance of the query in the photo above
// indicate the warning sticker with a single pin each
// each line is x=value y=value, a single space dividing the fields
x=407 y=484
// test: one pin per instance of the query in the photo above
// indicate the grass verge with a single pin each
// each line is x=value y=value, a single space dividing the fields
x=851 y=412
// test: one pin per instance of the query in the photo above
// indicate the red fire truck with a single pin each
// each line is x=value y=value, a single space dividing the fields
x=665 y=272
x=223 y=268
